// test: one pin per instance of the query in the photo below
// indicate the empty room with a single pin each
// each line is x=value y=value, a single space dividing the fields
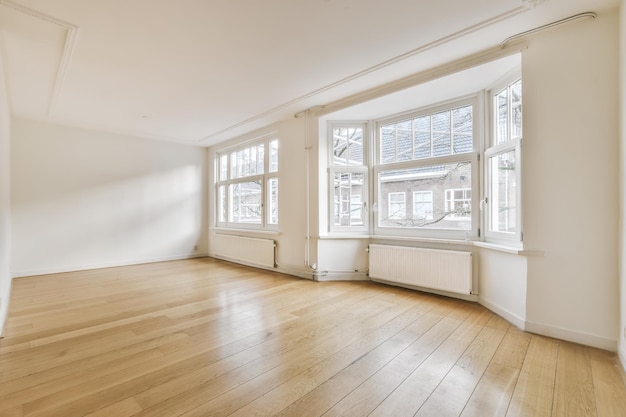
x=312 y=208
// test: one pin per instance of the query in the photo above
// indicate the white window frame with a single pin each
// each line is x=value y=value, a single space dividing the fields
x=334 y=170
x=224 y=184
x=514 y=144
x=471 y=157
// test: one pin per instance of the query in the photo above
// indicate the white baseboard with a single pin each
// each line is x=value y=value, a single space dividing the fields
x=621 y=353
x=4 y=308
x=572 y=336
x=85 y=267
x=296 y=271
x=502 y=312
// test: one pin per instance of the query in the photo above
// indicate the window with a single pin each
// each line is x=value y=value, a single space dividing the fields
x=503 y=217
x=247 y=185
x=442 y=171
x=397 y=206
x=459 y=203
x=423 y=205
x=348 y=177
x=430 y=157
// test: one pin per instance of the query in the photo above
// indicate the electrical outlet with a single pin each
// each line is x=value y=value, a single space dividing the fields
x=624 y=332
x=195 y=247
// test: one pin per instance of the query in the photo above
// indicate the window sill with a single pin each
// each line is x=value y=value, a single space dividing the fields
x=424 y=240
x=340 y=236
x=399 y=238
x=484 y=245
x=507 y=249
x=230 y=230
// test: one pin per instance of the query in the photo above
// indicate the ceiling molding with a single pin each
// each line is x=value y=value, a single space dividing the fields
x=68 y=49
x=34 y=13
x=439 y=42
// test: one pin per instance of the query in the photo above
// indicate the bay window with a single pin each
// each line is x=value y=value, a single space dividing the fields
x=447 y=171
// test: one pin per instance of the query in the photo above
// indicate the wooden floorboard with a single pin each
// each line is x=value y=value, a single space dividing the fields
x=204 y=337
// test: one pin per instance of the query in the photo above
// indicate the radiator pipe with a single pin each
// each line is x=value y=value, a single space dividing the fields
x=547 y=26
x=308 y=267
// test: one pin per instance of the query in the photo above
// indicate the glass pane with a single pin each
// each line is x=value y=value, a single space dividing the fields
x=503 y=198
x=388 y=144
x=233 y=165
x=462 y=143
x=272 y=214
x=404 y=134
x=502 y=118
x=274 y=156
x=434 y=202
x=222 y=203
x=223 y=167
x=441 y=134
x=355 y=146
x=421 y=139
x=396 y=206
x=348 y=146
x=246 y=202
x=247 y=162
x=516 y=110
x=260 y=153
x=348 y=199
x=441 y=122
x=422 y=205
x=340 y=146
x=240 y=164
x=441 y=144
x=462 y=120
x=459 y=202
x=252 y=159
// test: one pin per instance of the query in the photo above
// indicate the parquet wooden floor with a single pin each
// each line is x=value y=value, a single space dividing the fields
x=204 y=338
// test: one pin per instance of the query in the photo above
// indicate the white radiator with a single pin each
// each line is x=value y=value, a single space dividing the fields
x=246 y=250
x=444 y=270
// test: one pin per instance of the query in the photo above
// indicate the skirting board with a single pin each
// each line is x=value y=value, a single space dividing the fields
x=572 y=336
x=621 y=353
x=502 y=312
x=74 y=268
x=4 y=309
x=296 y=271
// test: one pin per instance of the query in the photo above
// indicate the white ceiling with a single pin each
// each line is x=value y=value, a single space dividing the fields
x=202 y=71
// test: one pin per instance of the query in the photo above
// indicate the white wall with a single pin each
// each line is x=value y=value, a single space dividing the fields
x=570 y=181
x=84 y=199
x=5 y=201
x=622 y=107
x=502 y=284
